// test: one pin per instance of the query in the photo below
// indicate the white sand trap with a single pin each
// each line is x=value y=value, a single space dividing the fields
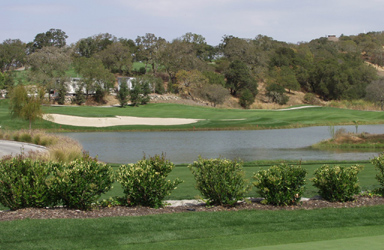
x=115 y=121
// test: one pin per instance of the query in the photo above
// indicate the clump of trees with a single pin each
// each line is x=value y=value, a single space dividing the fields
x=196 y=70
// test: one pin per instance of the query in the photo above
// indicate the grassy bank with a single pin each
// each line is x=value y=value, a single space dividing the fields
x=212 y=118
x=351 y=140
x=351 y=228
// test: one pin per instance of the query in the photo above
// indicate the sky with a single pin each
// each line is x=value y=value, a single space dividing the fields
x=284 y=20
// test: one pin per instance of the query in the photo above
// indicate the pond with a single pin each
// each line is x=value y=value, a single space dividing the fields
x=249 y=145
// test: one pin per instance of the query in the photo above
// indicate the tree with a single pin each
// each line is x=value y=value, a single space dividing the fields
x=122 y=95
x=239 y=78
x=96 y=77
x=214 y=78
x=189 y=83
x=275 y=93
x=235 y=48
x=344 y=76
x=375 y=92
x=179 y=55
x=116 y=57
x=79 y=99
x=12 y=54
x=49 y=66
x=215 y=93
x=26 y=103
x=283 y=57
x=149 y=48
x=53 y=37
x=285 y=77
x=203 y=50
x=246 y=98
x=89 y=46
x=139 y=92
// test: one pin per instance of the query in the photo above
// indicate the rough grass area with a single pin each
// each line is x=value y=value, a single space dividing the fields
x=348 y=228
x=60 y=148
x=352 y=140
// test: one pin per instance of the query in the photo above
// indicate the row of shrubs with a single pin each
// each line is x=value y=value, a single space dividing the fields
x=80 y=183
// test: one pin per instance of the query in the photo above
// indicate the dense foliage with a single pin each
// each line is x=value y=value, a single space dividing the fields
x=220 y=181
x=145 y=183
x=25 y=183
x=80 y=183
x=334 y=69
x=379 y=165
x=336 y=183
x=281 y=185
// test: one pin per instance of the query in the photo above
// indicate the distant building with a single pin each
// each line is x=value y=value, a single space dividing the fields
x=333 y=38
x=74 y=85
x=125 y=80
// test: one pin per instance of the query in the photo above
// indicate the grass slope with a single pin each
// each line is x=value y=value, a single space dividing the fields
x=212 y=118
x=332 y=228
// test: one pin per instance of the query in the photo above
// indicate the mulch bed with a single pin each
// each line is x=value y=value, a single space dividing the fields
x=56 y=213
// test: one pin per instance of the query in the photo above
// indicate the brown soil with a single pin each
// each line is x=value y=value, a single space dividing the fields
x=56 y=213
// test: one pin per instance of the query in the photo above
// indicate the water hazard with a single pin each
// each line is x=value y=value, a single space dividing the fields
x=186 y=146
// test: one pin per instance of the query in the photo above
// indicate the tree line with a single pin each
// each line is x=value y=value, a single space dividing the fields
x=188 y=66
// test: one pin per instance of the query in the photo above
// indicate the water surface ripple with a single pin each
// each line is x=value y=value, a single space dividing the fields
x=249 y=145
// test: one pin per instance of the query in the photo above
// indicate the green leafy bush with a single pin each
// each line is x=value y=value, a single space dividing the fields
x=337 y=183
x=281 y=185
x=379 y=165
x=145 y=182
x=80 y=183
x=25 y=183
x=220 y=181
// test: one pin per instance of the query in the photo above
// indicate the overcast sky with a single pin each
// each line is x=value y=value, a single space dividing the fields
x=284 y=20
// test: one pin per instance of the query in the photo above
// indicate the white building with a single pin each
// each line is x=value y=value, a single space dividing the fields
x=125 y=80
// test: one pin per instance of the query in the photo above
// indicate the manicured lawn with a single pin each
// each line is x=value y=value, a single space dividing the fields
x=212 y=118
x=187 y=190
x=342 y=228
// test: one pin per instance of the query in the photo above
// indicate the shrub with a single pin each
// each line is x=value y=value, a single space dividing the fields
x=246 y=98
x=337 y=183
x=145 y=182
x=379 y=165
x=25 y=137
x=25 y=183
x=220 y=181
x=281 y=185
x=80 y=183
x=275 y=93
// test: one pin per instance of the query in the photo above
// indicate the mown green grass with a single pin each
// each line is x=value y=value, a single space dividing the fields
x=211 y=118
x=187 y=189
x=203 y=230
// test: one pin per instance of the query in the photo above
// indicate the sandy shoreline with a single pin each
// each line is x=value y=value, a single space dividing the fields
x=115 y=121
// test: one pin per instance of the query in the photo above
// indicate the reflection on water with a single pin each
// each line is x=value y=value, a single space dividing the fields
x=185 y=147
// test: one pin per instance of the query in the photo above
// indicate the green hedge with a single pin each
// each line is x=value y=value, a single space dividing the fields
x=337 y=183
x=25 y=183
x=220 y=181
x=145 y=182
x=379 y=165
x=80 y=183
x=281 y=185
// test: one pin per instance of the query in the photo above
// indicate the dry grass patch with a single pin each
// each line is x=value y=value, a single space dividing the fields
x=60 y=148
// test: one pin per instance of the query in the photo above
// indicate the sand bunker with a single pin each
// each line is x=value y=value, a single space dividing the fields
x=115 y=121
